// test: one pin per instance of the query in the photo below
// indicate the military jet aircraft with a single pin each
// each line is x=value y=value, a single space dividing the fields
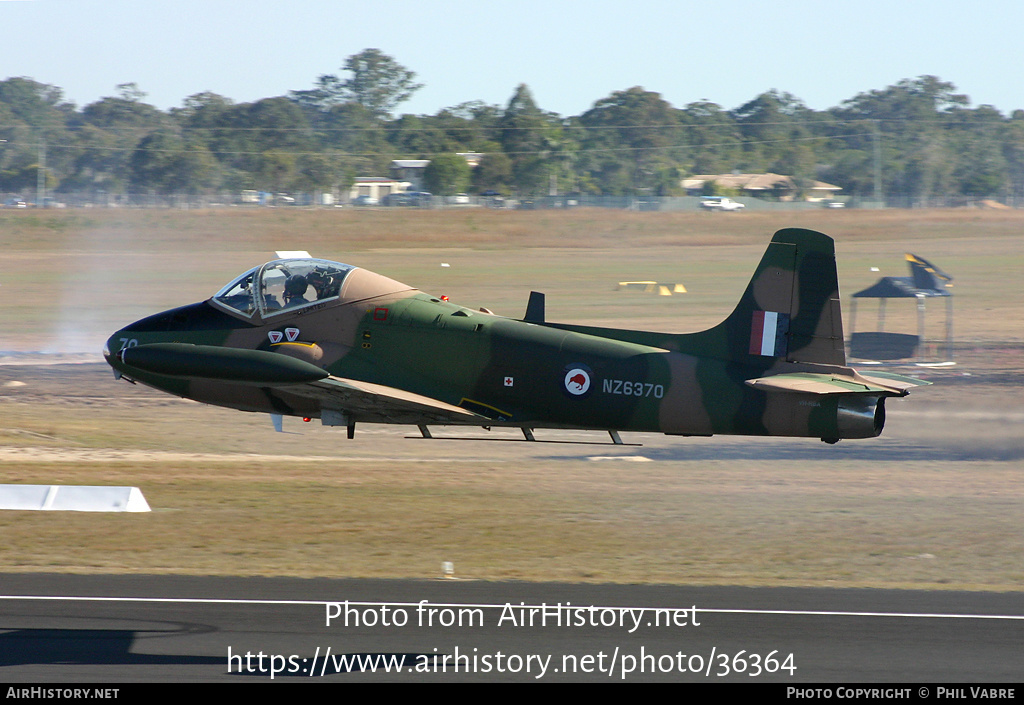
x=313 y=338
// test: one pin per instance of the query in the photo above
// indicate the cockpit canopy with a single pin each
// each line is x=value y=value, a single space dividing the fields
x=284 y=285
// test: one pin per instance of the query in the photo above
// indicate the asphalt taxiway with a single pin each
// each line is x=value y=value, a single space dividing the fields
x=120 y=629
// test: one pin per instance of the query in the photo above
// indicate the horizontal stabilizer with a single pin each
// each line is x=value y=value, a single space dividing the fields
x=840 y=383
x=891 y=380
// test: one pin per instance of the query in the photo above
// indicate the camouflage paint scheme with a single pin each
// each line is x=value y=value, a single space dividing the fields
x=379 y=351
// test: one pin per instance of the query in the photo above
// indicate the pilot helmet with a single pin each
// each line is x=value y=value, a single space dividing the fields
x=295 y=285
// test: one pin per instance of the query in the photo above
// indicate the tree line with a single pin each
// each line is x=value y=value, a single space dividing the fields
x=911 y=142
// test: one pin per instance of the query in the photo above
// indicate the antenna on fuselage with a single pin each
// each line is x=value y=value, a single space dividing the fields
x=535 y=308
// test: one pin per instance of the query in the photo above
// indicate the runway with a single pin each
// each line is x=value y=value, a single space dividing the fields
x=124 y=629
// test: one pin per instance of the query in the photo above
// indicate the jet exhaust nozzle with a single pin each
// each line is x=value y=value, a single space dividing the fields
x=861 y=417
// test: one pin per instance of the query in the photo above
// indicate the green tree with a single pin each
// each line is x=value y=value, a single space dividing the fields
x=611 y=178
x=851 y=169
x=473 y=125
x=24 y=178
x=412 y=136
x=378 y=83
x=124 y=111
x=33 y=103
x=527 y=135
x=637 y=129
x=252 y=129
x=1013 y=153
x=713 y=139
x=321 y=172
x=210 y=120
x=165 y=163
x=33 y=114
x=522 y=124
x=979 y=144
x=447 y=174
x=353 y=131
x=275 y=170
x=493 y=173
x=775 y=127
x=204 y=110
x=96 y=159
x=911 y=118
x=107 y=133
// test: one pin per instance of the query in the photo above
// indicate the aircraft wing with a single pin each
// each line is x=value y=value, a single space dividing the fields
x=377 y=403
x=884 y=383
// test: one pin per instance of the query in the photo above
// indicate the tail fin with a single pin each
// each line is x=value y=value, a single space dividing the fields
x=790 y=309
x=926 y=275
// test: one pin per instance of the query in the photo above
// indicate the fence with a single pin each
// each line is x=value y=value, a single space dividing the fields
x=635 y=203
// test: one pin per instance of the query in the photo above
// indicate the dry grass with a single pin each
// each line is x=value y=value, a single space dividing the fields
x=262 y=230
x=698 y=512
x=938 y=501
x=71 y=278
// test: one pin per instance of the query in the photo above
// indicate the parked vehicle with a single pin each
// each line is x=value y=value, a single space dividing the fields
x=720 y=203
x=401 y=198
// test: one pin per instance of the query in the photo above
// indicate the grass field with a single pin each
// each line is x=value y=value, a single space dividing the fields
x=72 y=277
x=937 y=501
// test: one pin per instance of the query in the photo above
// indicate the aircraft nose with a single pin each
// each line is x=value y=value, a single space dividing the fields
x=110 y=349
x=149 y=329
x=116 y=343
x=121 y=340
x=108 y=346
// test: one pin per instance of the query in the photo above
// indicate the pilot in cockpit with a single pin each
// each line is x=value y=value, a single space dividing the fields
x=323 y=283
x=295 y=290
x=283 y=284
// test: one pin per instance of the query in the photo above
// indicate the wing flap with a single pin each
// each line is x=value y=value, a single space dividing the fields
x=370 y=402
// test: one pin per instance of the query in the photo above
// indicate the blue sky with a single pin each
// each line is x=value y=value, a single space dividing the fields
x=570 y=53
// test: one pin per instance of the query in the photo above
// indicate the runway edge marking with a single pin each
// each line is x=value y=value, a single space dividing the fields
x=241 y=601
